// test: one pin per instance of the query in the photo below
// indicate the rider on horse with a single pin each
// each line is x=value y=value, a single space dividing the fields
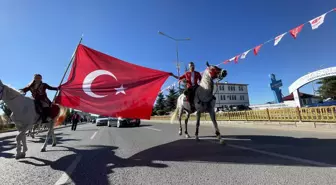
x=192 y=78
x=38 y=90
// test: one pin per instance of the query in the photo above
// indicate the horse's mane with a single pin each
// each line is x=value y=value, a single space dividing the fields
x=12 y=88
x=206 y=81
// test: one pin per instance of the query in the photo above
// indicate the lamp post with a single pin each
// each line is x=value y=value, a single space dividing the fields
x=177 y=54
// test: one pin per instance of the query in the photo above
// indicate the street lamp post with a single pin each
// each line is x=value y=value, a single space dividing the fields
x=177 y=54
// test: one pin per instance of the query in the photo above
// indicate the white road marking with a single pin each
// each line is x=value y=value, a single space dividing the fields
x=94 y=134
x=152 y=128
x=66 y=175
x=284 y=156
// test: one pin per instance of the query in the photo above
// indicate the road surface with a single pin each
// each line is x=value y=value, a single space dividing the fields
x=155 y=154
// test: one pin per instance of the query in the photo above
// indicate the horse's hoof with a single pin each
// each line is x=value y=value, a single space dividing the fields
x=222 y=142
x=180 y=133
x=187 y=136
x=43 y=149
x=23 y=155
x=17 y=156
x=54 y=144
x=197 y=139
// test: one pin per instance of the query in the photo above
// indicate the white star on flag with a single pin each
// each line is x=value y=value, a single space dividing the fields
x=278 y=39
x=121 y=89
x=244 y=54
x=316 y=22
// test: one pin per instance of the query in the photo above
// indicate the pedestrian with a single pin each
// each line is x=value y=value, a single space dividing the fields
x=75 y=119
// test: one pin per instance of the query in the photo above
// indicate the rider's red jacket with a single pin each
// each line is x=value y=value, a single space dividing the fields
x=39 y=93
x=191 y=77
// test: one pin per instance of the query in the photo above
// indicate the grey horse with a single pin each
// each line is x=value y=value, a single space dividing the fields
x=25 y=116
x=203 y=99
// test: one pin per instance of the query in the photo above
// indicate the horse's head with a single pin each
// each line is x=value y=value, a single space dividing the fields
x=216 y=72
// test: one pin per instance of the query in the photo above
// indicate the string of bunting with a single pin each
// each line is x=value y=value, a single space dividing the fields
x=315 y=23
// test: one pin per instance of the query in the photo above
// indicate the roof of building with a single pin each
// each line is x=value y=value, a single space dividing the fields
x=302 y=95
x=230 y=84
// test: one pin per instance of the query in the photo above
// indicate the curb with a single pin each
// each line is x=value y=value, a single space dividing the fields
x=290 y=126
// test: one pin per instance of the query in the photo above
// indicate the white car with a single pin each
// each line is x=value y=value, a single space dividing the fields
x=102 y=120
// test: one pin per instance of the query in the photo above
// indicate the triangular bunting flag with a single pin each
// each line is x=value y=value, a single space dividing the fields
x=232 y=59
x=243 y=56
x=226 y=61
x=294 y=32
x=256 y=49
x=315 y=23
x=278 y=39
x=236 y=58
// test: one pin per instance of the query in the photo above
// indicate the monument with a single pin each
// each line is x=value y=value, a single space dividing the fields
x=275 y=86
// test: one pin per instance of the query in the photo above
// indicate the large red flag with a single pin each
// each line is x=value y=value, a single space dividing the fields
x=105 y=85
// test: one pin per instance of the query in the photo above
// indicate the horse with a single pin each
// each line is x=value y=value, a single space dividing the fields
x=24 y=116
x=204 y=101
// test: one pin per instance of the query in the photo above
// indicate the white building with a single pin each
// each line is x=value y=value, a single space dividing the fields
x=231 y=94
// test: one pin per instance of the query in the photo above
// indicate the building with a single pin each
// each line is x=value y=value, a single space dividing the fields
x=306 y=99
x=230 y=94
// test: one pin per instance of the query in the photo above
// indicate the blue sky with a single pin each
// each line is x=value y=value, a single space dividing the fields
x=39 y=37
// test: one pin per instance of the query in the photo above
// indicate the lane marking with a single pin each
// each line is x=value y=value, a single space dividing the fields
x=297 y=159
x=94 y=134
x=66 y=175
x=152 y=129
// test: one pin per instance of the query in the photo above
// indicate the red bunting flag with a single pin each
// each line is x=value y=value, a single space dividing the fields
x=256 y=49
x=294 y=32
x=104 y=85
x=226 y=61
x=315 y=23
x=236 y=58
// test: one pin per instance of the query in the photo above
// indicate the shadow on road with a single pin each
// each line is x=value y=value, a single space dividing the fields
x=97 y=162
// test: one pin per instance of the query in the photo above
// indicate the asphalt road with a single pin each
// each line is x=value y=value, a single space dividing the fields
x=155 y=154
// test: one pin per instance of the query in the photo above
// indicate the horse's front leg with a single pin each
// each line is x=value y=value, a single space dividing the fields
x=18 y=145
x=186 y=126
x=180 y=112
x=198 y=117
x=215 y=124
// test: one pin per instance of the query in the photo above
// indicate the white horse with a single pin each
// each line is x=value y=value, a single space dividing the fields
x=25 y=116
x=203 y=99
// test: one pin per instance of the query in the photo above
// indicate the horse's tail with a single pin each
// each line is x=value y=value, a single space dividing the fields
x=174 y=115
x=61 y=115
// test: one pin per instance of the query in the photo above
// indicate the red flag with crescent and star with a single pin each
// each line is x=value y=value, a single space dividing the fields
x=104 y=85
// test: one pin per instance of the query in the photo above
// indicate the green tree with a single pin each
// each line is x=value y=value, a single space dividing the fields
x=171 y=99
x=5 y=109
x=160 y=104
x=328 y=87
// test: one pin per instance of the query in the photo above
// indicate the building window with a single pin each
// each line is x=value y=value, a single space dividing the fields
x=241 y=88
x=224 y=97
x=232 y=88
x=234 y=97
x=242 y=97
x=221 y=97
x=229 y=97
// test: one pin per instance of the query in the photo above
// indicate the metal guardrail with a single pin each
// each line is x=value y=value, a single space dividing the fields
x=313 y=114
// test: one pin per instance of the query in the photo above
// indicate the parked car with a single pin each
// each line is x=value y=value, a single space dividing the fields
x=120 y=122
x=102 y=121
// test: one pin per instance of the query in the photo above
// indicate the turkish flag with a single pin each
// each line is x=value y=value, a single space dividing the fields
x=104 y=85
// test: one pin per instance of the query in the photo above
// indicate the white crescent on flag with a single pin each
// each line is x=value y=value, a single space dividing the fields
x=315 y=23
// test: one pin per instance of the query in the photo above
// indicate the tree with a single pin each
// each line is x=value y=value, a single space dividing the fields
x=328 y=87
x=160 y=104
x=5 y=109
x=171 y=99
